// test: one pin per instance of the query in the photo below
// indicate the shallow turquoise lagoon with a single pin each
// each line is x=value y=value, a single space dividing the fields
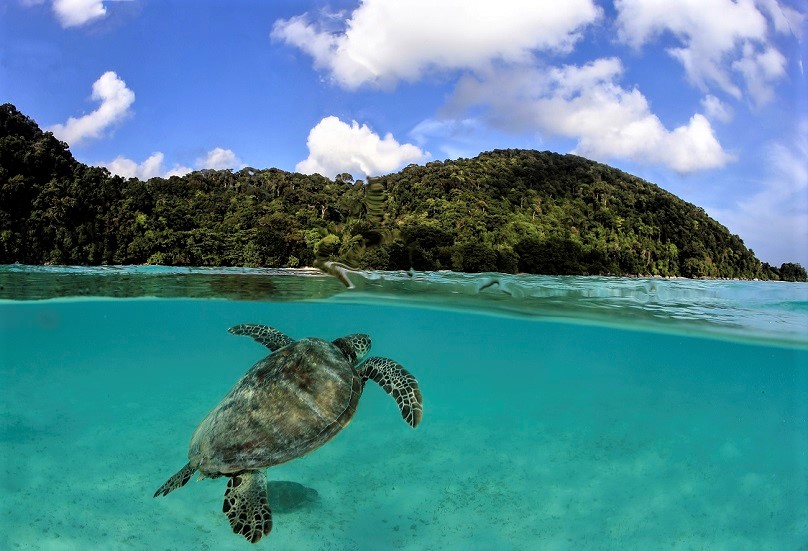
x=560 y=413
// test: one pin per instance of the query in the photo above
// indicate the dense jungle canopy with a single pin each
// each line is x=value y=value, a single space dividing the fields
x=506 y=210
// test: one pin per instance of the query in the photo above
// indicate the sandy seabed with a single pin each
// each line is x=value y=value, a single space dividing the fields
x=535 y=435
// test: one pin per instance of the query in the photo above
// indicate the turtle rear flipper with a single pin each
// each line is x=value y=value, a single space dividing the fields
x=398 y=383
x=268 y=336
x=177 y=481
x=245 y=504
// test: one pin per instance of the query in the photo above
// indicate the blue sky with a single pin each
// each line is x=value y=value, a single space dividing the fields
x=706 y=98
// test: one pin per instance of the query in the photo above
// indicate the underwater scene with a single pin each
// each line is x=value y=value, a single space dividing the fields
x=558 y=412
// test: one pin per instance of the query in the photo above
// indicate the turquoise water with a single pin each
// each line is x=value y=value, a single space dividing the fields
x=560 y=413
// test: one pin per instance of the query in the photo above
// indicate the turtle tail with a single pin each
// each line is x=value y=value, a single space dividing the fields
x=177 y=481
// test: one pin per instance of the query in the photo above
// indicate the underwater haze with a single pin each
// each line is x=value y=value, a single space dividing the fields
x=559 y=412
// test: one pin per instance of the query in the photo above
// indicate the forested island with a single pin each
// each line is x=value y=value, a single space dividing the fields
x=506 y=211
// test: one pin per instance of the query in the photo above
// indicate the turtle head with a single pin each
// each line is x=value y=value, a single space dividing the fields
x=354 y=347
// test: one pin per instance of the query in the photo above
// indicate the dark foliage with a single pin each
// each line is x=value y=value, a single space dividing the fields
x=507 y=210
x=793 y=272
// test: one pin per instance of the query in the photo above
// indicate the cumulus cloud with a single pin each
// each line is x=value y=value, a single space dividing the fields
x=715 y=109
x=74 y=13
x=721 y=42
x=587 y=103
x=150 y=168
x=178 y=170
x=775 y=218
x=130 y=169
x=760 y=69
x=786 y=20
x=385 y=41
x=455 y=138
x=217 y=159
x=115 y=100
x=336 y=147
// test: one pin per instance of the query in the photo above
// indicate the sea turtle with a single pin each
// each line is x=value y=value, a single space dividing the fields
x=287 y=405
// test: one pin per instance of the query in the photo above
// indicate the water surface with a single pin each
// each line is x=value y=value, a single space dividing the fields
x=560 y=413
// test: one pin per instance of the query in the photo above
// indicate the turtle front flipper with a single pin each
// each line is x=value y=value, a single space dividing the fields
x=245 y=504
x=398 y=383
x=269 y=337
x=177 y=481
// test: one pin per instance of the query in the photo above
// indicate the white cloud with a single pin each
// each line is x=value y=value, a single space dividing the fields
x=715 y=109
x=586 y=103
x=385 y=41
x=115 y=99
x=130 y=169
x=178 y=170
x=74 y=13
x=150 y=168
x=336 y=147
x=760 y=69
x=774 y=220
x=456 y=138
x=721 y=40
x=218 y=159
x=786 y=20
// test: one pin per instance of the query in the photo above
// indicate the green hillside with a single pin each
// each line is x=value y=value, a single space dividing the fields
x=507 y=210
